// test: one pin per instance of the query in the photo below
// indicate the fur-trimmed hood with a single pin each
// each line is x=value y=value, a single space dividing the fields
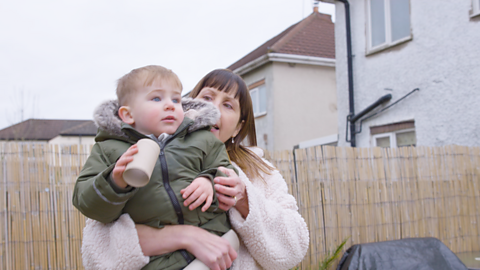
x=202 y=113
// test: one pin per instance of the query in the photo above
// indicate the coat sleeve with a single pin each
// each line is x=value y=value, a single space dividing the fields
x=216 y=156
x=93 y=195
x=274 y=233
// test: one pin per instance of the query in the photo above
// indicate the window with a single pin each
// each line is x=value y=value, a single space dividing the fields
x=395 y=139
x=259 y=100
x=388 y=23
x=475 y=8
x=394 y=135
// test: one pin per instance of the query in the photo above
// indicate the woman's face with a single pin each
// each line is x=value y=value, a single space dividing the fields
x=228 y=126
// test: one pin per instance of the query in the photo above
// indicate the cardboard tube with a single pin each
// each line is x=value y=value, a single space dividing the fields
x=138 y=172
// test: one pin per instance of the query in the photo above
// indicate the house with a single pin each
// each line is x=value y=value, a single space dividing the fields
x=421 y=57
x=291 y=78
x=66 y=132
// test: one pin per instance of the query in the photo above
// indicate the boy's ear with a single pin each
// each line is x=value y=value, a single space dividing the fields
x=125 y=114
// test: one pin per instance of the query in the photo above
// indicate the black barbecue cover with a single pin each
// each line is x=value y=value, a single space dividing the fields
x=404 y=254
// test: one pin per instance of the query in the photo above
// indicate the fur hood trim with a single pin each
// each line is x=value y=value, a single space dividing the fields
x=202 y=113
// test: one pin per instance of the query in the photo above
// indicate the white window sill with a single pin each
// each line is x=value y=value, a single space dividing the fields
x=388 y=46
x=474 y=14
x=260 y=114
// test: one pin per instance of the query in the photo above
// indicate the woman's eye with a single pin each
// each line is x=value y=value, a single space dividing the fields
x=228 y=106
x=207 y=98
x=156 y=99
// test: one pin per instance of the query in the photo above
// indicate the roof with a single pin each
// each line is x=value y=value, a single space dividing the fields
x=86 y=129
x=313 y=36
x=45 y=130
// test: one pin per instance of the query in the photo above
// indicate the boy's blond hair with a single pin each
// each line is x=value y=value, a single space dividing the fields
x=144 y=76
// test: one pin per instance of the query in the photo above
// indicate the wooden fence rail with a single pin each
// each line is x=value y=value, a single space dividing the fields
x=363 y=194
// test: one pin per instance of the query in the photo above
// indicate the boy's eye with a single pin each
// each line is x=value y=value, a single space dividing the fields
x=156 y=99
x=176 y=100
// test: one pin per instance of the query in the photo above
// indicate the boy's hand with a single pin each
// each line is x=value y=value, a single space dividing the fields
x=199 y=191
x=117 y=173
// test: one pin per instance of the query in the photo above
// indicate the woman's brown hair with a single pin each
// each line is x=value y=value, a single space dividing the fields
x=226 y=81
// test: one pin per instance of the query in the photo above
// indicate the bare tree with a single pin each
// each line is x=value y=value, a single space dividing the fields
x=24 y=106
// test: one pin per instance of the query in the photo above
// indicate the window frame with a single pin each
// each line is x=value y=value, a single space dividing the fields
x=392 y=135
x=388 y=30
x=475 y=11
x=256 y=91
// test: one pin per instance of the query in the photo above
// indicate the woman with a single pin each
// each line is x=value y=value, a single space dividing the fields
x=272 y=233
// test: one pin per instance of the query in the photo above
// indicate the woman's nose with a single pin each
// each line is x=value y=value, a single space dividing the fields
x=217 y=103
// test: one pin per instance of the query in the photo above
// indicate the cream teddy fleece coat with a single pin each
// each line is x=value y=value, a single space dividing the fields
x=273 y=236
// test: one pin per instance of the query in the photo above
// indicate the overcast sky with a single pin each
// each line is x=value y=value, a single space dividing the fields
x=60 y=59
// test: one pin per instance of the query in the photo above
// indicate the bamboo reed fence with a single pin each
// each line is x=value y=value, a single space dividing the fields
x=39 y=227
x=375 y=194
x=365 y=194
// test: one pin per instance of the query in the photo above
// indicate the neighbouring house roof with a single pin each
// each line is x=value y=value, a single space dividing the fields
x=45 y=130
x=86 y=129
x=313 y=36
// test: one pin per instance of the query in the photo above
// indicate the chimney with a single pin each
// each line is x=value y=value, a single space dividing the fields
x=315 y=6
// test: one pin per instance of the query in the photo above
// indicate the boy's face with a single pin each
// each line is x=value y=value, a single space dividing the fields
x=154 y=109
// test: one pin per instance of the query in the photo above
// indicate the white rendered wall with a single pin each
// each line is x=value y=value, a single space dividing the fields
x=442 y=59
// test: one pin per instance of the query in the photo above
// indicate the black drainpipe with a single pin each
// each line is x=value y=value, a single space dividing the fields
x=295 y=161
x=350 y=71
x=377 y=103
x=351 y=119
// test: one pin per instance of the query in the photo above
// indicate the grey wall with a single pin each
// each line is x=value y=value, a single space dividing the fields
x=305 y=103
x=301 y=104
x=264 y=124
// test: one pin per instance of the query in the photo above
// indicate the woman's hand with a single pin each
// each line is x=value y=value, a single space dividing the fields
x=231 y=192
x=214 y=251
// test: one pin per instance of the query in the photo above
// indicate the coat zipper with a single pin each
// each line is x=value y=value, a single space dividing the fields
x=173 y=198
x=171 y=193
